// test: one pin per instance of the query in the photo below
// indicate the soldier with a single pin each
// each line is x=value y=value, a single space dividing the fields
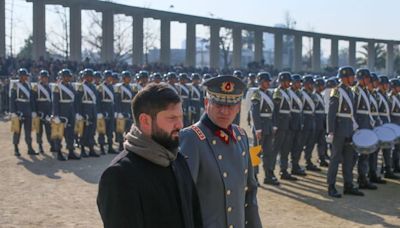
x=262 y=110
x=97 y=78
x=341 y=125
x=87 y=99
x=107 y=107
x=172 y=79
x=320 y=122
x=395 y=118
x=365 y=120
x=64 y=109
x=22 y=105
x=373 y=158
x=184 y=94
x=238 y=74
x=384 y=114
x=282 y=104
x=142 y=79
x=157 y=78
x=42 y=93
x=196 y=98
x=309 y=123
x=125 y=93
x=293 y=140
x=219 y=159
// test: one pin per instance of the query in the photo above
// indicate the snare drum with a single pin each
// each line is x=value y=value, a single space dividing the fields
x=387 y=137
x=396 y=129
x=365 y=141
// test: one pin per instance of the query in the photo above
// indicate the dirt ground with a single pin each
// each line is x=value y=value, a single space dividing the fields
x=40 y=191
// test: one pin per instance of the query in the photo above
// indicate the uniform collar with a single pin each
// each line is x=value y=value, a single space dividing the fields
x=221 y=133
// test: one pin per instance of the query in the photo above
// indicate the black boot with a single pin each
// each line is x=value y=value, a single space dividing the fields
x=111 y=150
x=332 y=192
x=323 y=163
x=298 y=171
x=83 y=152
x=16 y=150
x=60 y=156
x=270 y=178
x=311 y=167
x=376 y=179
x=121 y=147
x=286 y=176
x=72 y=155
x=52 y=147
x=390 y=175
x=103 y=152
x=41 y=149
x=363 y=183
x=31 y=151
x=349 y=189
x=93 y=153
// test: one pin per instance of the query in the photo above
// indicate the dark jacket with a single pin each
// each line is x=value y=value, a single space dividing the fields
x=134 y=192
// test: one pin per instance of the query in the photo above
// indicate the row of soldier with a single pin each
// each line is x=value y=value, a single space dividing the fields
x=97 y=98
x=304 y=111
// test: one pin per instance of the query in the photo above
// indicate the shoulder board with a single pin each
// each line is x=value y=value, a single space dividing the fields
x=277 y=94
x=198 y=132
x=256 y=95
x=241 y=130
x=334 y=92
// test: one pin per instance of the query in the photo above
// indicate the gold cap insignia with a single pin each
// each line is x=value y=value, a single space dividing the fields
x=227 y=87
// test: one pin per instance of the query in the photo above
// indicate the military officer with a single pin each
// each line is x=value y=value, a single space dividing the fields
x=87 y=98
x=293 y=141
x=64 y=109
x=262 y=110
x=124 y=94
x=384 y=114
x=42 y=93
x=373 y=158
x=309 y=122
x=22 y=105
x=107 y=107
x=395 y=118
x=282 y=113
x=184 y=94
x=341 y=125
x=196 y=98
x=320 y=121
x=218 y=156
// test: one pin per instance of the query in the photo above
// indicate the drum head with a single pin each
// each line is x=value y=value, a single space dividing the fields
x=385 y=134
x=394 y=127
x=365 y=138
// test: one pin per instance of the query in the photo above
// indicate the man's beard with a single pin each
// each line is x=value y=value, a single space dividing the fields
x=164 y=138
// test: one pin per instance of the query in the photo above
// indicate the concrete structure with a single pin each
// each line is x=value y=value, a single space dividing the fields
x=109 y=9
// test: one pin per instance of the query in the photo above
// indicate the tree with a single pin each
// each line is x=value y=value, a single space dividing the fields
x=379 y=54
x=225 y=43
x=149 y=38
x=122 y=46
x=59 y=42
x=27 y=49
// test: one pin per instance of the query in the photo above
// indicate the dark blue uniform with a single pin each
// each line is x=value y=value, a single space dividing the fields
x=42 y=93
x=107 y=108
x=196 y=103
x=184 y=93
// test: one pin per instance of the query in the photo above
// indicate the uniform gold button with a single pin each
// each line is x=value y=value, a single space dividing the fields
x=246 y=171
x=239 y=138
x=228 y=192
x=246 y=188
x=229 y=209
x=225 y=174
x=246 y=205
x=214 y=142
x=244 y=153
x=219 y=157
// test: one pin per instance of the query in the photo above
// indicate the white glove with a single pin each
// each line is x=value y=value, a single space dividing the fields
x=115 y=115
x=34 y=114
x=56 y=120
x=13 y=115
x=120 y=116
x=329 y=138
x=78 y=116
x=275 y=128
x=48 y=118
x=99 y=115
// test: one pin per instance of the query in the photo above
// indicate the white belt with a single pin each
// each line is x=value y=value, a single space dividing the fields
x=319 y=112
x=107 y=101
x=308 y=112
x=126 y=101
x=88 y=102
x=195 y=99
x=296 y=111
x=284 y=111
x=66 y=101
x=346 y=115
x=42 y=99
x=365 y=112
x=22 y=100
x=186 y=97
x=374 y=114
x=395 y=114
x=266 y=114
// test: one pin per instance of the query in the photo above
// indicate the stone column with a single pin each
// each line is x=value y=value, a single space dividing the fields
x=258 y=46
x=137 y=39
x=334 y=53
x=352 y=53
x=237 y=47
x=298 y=48
x=190 y=59
x=39 y=29
x=107 y=47
x=371 y=56
x=75 y=30
x=214 y=46
x=278 y=52
x=389 y=58
x=2 y=28
x=316 y=57
x=165 y=51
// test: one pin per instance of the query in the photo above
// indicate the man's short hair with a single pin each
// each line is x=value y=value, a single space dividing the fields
x=153 y=99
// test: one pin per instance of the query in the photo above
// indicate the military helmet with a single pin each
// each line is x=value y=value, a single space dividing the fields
x=252 y=75
x=331 y=82
x=23 y=72
x=345 y=72
x=157 y=76
x=263 y=76
x=207 y=76
x=296 y=78
x=126 y=73
x=284 y=76
x=383 y=79
x=87 y=72
x=362 y=73
x=183 y=76
x=308 y=79
x=394 y=82
x=115 y=75
x=196 y=76
x=374 y=77
x=108 y=73
x=143 y=74
x=97 y=74
x=171 y=75
x=65 y=73
x=238 y=73
x=319 y=82
x=44 y=73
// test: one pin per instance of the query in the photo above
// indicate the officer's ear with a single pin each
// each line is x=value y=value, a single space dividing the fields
x=145 y=122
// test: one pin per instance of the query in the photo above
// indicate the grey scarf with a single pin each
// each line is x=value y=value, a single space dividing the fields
x=147 y=148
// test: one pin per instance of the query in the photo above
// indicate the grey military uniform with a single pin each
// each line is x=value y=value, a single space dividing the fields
x=373 y=158
x=384 y=114
x=308 y=130
x=320 y=126
x=395 y=118
x=223 y=175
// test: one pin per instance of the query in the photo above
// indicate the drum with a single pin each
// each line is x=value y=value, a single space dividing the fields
x=57 y=130
x=365 y=141
x=120 y=128
x=78 y=128
x=396 y=129
x=15 y=125
x=387 y=137
x=36 y=124
x=101 y=126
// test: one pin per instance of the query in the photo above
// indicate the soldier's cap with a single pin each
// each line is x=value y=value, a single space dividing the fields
x=264 y=76
x=394 y=82
x=171 y=75
x=345 y=71
x=157 y=76
x=317 y=76
x=252 y=75
x=108 y=73
x=319 y=82
x=115 y=75
x=196 y=76
x=87 y=72
x=331 y=82
x=238 y=73
x=296 y=78
x=44 y=73
x=362 y=73
x=23 y=72
x=374 y=77
x=143 y=74
x=98 y=74
x=224 y=90
x=284 y=76
x=65 y=73
x=308 y=79
x=126 y=73
x=207 y=76
x=383 y=79
x=183 y=76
